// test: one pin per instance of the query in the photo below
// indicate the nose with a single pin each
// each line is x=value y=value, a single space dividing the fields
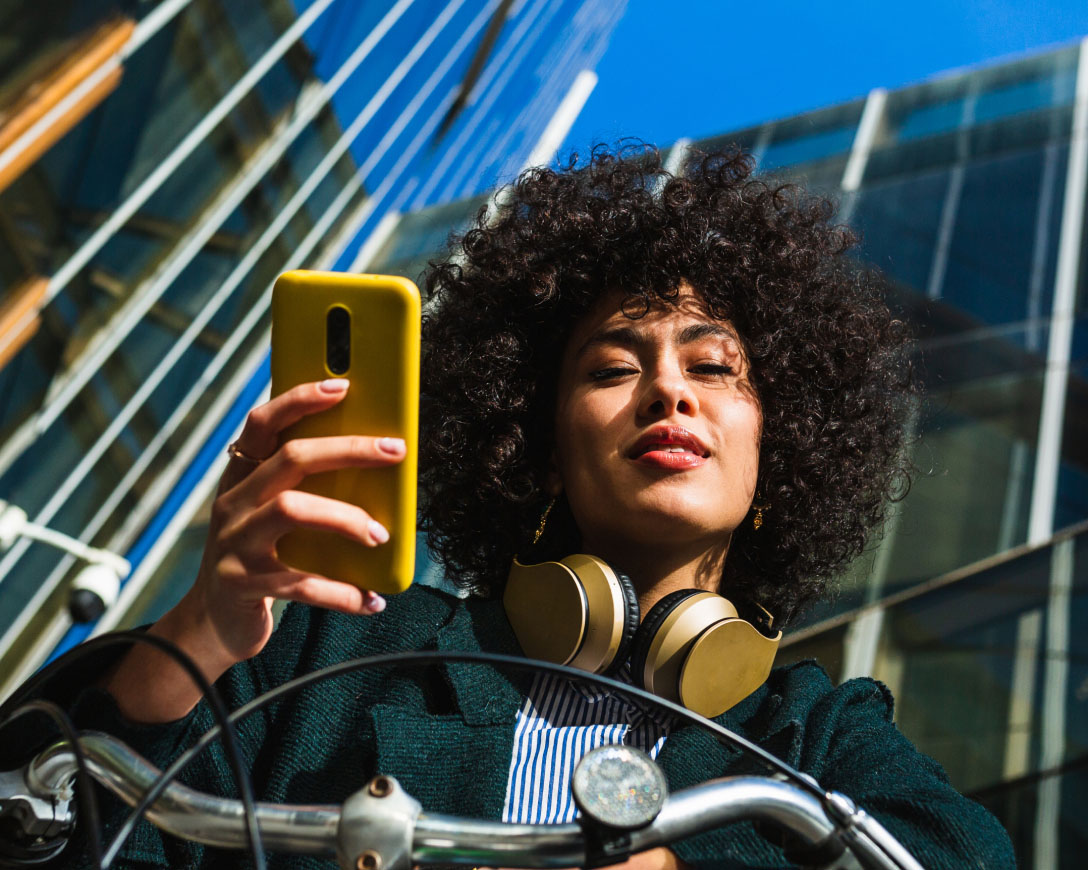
x=666 y=393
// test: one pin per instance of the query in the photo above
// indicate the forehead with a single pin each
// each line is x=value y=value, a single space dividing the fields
x=615 y=315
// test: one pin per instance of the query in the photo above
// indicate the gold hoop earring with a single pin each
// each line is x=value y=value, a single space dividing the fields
x=543 y=521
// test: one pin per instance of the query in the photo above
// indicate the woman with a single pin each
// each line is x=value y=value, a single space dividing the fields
x=701 y=388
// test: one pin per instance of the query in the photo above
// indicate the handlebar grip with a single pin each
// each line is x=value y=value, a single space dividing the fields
x=185 y=812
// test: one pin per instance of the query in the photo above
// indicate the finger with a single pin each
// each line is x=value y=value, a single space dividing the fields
x=260 y=435
x=322 y=592
x=301 y=457
x=292 y=509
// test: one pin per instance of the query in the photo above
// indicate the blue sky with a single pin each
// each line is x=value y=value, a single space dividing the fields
x=696 y=67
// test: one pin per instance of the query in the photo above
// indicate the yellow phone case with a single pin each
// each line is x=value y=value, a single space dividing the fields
x=382 y=400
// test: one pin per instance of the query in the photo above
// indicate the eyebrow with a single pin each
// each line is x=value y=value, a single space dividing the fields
x=630 y=337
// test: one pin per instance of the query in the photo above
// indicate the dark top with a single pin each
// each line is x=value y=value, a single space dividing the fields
x=447 y=735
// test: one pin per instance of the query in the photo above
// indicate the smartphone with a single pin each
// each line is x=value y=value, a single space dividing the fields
x=365 y=328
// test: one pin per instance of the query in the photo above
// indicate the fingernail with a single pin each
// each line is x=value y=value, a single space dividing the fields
x=378 y=532
x=333 y=385
x=374 y=602
x=393 y=446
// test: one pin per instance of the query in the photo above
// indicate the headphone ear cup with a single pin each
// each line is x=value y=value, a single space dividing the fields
x=630 y=622
x=644 y=637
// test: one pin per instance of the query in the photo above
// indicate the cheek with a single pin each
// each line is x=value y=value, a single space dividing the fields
x=744 y=425
x=587 y=430
x=569 y=441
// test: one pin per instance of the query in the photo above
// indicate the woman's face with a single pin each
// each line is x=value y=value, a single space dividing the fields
x=657 y=430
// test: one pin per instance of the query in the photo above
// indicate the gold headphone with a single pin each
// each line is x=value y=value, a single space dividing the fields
x=693 y=647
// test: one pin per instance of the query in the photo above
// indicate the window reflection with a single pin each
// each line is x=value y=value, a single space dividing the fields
x=986 y=684
x=981 y=96
x=982 y=237
x=979 y=652
x=813 y=138
x=812 y=147
x=72 y=470
x=422 y=236
x=1072 y=501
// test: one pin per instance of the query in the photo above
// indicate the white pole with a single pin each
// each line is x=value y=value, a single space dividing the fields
x=1052 y=415
x=68 y=384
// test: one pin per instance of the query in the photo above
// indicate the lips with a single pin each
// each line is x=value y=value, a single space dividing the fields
x=669 y=441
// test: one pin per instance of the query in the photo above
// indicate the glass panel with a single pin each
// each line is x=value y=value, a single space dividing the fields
x=981 y=687
x=746 y=139
x=174 y=575
x=826 y=647
x=982 y=237
x=1072 y=501
x=52 y=458
x=24 y=380
x=972 y=490
x=992 y=250
x=131 y=260
x=169 y=87
x=822 y=177
x=790 y=152
x=14 y=268
x=898 y=222
x=812 y=137
x=32 y=45
x=1004 y=136
x=826 y=176
x=981 y=96
x=422 y=236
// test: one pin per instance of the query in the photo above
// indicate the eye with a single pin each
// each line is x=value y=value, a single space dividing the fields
x=718 y=369
x=611 y=373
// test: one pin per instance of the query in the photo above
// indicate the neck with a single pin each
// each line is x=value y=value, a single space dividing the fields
x=656 y=573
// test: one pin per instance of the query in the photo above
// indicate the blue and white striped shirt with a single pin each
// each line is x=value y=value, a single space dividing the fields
x=560 y=722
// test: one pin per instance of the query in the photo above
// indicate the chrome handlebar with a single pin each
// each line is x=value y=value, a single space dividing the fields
x=383 y=827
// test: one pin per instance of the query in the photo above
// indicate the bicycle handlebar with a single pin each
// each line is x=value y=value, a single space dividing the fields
x=382 y=826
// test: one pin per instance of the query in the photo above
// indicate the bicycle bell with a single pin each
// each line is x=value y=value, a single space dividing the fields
x=619 y=787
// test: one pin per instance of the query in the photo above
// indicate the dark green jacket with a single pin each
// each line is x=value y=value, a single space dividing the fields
x=447 y=735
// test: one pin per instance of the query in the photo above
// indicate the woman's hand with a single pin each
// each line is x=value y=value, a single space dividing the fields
x=652 y=859
x=240 y=575
x=227 y=615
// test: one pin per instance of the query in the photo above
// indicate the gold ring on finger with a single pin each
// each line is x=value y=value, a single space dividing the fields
x=236 y=452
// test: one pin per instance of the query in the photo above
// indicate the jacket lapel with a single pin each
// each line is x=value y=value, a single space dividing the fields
x=483 y=694
x=692 y=755
x=435 y=755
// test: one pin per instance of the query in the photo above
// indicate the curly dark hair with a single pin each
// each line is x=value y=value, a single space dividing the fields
x=828 y=361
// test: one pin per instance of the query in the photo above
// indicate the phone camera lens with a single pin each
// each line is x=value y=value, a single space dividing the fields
x=338 y=340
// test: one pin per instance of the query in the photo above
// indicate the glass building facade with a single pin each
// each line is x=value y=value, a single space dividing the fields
x=160 y=163
x=968 y=192
x=219 y=143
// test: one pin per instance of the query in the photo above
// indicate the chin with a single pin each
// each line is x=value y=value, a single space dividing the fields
x=677 y=521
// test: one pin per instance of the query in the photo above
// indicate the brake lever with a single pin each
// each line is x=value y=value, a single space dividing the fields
x=869 y=840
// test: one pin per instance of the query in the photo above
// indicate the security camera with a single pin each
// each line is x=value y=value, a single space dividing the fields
x=95 y=588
